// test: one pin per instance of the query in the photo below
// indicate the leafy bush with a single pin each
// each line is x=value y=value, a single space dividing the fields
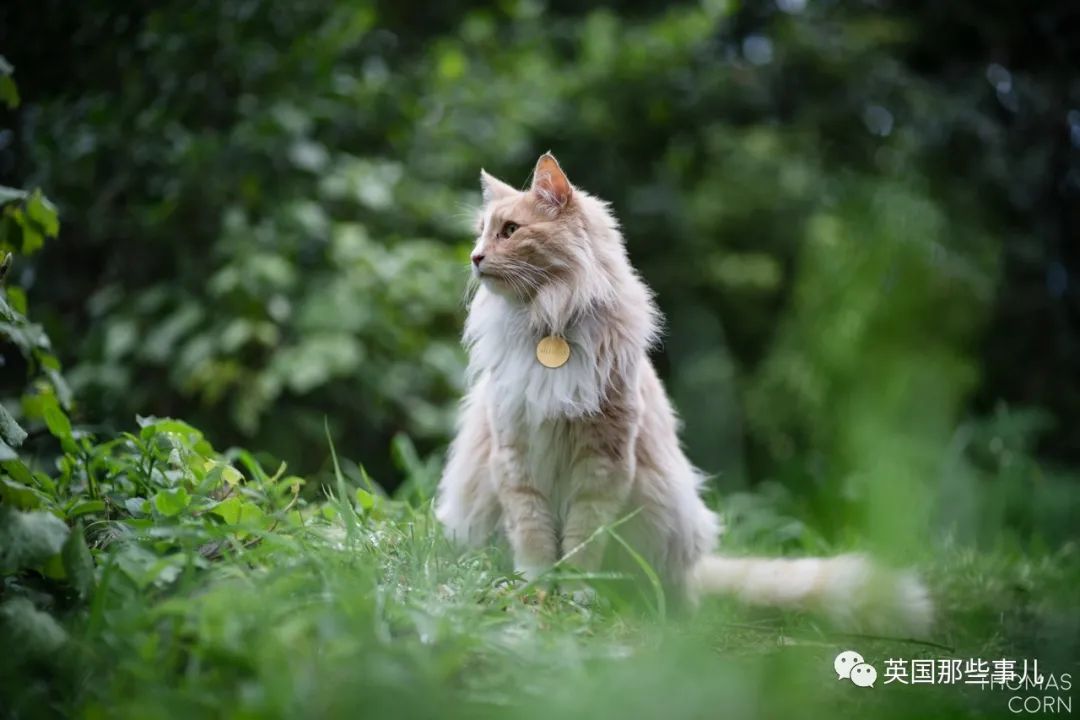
x=283 y=236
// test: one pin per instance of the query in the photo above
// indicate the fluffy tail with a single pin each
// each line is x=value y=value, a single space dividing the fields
x=849 y=589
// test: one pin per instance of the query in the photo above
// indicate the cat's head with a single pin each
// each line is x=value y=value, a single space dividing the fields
x=527 y=240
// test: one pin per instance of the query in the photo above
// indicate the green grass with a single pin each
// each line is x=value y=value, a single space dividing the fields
x=387 y=620
x=234 y=595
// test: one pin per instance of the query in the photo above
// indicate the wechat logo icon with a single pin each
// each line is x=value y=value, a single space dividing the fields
x=850 y=665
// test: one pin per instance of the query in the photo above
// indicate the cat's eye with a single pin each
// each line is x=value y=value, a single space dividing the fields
x=508 y=229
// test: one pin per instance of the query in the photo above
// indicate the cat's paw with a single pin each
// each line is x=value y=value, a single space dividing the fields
x=531 y=573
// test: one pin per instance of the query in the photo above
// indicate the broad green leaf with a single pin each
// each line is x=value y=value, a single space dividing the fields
x=86 y=506
x=18 y=472
x=204 y=466
x=10 y=432
x=78 y=562
x=49 y=362
x=57 y=421
x=171 y=502
x=44 y=483
x=63 y=391
x=28 y=538
x=16 y=299
x=216 y=469
x=43 y=212
x=9 y=92
x=32 y=240
x=231 y=475
x=179 y=431
x=235 y=511
x=18 y=495
x=365 y=499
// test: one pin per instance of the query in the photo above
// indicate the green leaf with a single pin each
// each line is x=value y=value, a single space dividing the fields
x=56 y=420
x=9 y=92
x=178 y=429
x=18 y=472
x=46 y=405
x=10 y=432
x=235 y=511
x=41 y=482
x=85 y=507
x=171 y=502
x=364 y=499
x=28 y=538
x=231 y=475
x=18 y=495
x=32 y=238
x=228 y=473
x=43 y=212
x=16 y=299
x=78 y=562
x=63 y=391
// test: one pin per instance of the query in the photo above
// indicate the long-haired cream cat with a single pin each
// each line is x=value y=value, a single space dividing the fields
x=566 y=428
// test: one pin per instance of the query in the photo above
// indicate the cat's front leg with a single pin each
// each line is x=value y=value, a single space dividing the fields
x=466 y=503
x=527 y=516
x=600 y=485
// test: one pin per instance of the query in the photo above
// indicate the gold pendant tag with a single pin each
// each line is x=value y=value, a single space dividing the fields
x=552 y=351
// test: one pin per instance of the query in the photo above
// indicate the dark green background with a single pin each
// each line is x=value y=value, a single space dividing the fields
x=860 y=219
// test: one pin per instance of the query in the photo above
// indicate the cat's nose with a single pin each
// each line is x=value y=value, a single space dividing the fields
x=477 y=259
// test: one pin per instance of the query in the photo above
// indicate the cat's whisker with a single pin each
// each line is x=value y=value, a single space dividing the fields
x=472 y=285
x=531 y=275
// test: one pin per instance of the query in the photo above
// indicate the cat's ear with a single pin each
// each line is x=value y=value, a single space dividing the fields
x=492 y=188
x=550 y=184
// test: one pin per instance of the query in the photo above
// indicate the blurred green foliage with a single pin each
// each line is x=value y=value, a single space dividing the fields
x=856 y=217
x=860 y=221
